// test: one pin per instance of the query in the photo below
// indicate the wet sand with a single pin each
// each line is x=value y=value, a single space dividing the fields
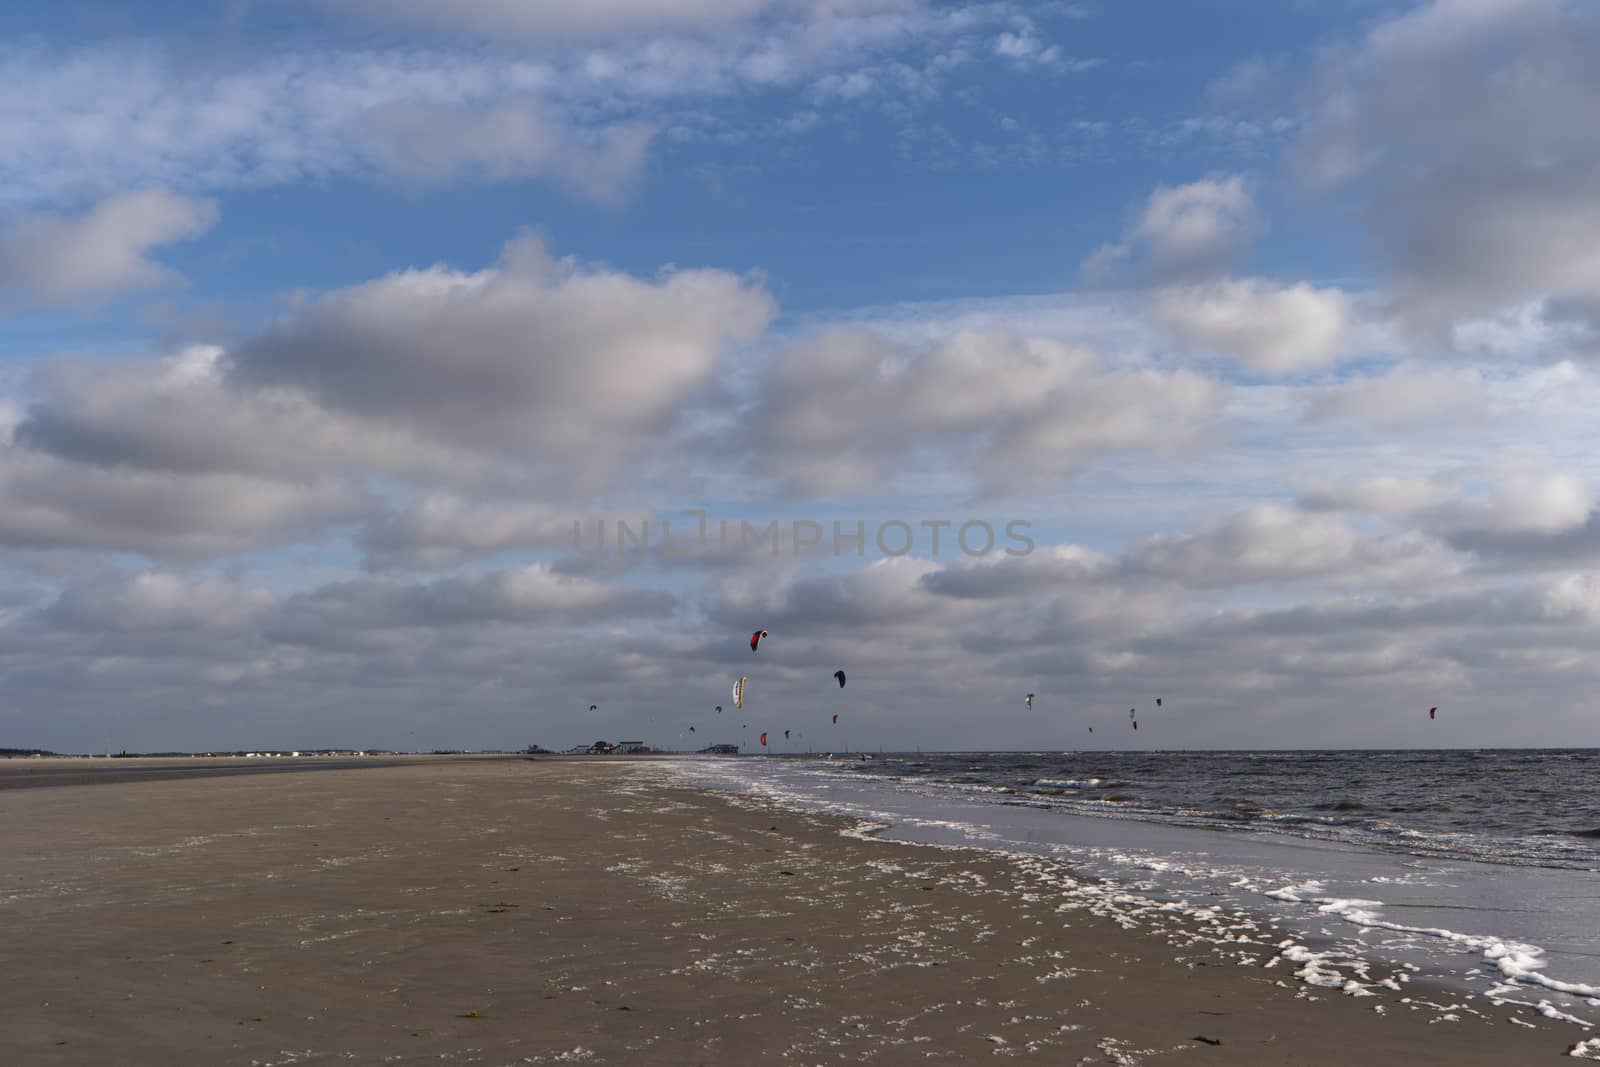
x=549 y=911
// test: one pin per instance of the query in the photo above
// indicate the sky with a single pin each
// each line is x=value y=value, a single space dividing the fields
x=395 y=374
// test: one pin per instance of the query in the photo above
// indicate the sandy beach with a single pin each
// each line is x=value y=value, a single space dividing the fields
x=551 y=911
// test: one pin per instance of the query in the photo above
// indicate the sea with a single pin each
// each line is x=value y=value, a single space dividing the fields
x=1478 y=870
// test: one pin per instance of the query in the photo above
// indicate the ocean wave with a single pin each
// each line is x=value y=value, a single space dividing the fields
x=1437 y=804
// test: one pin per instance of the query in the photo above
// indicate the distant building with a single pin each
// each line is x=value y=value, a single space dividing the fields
x=632 y=748
x=720 y=750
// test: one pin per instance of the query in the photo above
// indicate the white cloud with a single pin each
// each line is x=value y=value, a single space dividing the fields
x=1474 y=506
x=1405 y=393
x=56 y=259
x=1382 y=495
x=1465 y=128
x=440 y=530
x=1049 y=567
x=1536 y=330
x=1273 y=544
x=561 y=367
x=404 y=115
x=180 y=414
x=849 y=86
x=1027 y=51
x=53 y=505
x=1195 y=222
x=428 y=144
x=532 y=594
x=1573 y=597
x=147 y=601
x=532 y=370
x=1523 y=500
x=882 y=592
x=1185 y=231
x=1269 y=328
x=1016 y=45
x=533 y=376
x=844 y=411
x=541 y=20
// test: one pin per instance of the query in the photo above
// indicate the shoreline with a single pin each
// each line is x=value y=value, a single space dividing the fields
x=1499 y=932
x=532 y=911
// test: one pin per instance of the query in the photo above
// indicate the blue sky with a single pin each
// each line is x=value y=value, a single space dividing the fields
x=976 y=209
x=322 y=320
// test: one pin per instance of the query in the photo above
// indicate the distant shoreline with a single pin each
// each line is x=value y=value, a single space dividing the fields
x=67 y=771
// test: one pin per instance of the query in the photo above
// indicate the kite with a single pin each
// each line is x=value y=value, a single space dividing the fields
x=738 y=692
x=594 y=707
x=1432 y=712
x=786 y=735
x=836 y=720
x=755 y=639
x=763 y=740
x=719 y=709
x=839 y=675
x=1029 y=700
x=1158 y=702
